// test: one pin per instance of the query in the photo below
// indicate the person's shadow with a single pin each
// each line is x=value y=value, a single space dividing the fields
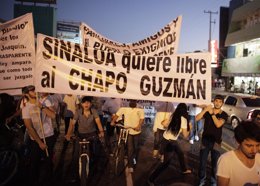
x=59 y=170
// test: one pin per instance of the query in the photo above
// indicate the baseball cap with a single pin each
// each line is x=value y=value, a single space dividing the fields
x=26 y=89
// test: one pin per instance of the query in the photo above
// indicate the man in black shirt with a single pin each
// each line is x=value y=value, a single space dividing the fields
x=214 y=119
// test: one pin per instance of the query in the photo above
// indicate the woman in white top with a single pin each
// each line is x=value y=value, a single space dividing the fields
x=178 y=124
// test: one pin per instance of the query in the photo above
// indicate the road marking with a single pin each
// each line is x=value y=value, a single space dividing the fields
x=226 y=146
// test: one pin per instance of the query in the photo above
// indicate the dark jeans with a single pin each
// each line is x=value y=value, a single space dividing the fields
x=132 y=148
x=58 y=121
x=41 y=166
x=207 y=147
x=67 y=123
x=158 y=138
x=169 y=147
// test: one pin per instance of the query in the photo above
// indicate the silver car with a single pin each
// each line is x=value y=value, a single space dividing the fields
x=237 y=106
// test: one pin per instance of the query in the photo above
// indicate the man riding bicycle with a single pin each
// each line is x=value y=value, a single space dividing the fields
x=88 y=122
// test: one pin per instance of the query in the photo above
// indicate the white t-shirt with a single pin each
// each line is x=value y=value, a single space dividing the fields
x=31 y=111
x=132 y=117
x=170 y=136
x=112 y=106
x=229 y=166
x=71 y=102
x=159 y=117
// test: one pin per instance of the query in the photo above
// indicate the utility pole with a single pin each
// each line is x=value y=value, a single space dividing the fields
x=210 y=21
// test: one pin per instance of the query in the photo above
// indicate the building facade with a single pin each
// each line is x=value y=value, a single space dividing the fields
x=242 y=63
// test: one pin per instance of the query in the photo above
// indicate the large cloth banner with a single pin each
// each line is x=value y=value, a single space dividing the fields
x=17 y=52
x=71 y=68
x=164 y=42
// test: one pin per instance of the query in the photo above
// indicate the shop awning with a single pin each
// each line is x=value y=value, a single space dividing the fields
x=245 y=66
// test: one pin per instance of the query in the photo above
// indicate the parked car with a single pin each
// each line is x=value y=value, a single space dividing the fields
x=254 y=115
x=239 y=107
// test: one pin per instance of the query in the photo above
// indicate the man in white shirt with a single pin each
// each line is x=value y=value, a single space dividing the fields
x=37 y=116
x=241 y=166
x=133 y=118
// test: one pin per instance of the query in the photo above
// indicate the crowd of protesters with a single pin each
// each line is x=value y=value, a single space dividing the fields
x=41 y=114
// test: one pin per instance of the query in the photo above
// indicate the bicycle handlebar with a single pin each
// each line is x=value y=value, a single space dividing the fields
x=13 y=128
x=120 y=125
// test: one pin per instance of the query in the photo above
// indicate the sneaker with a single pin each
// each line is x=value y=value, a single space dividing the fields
x=155 y=153
x=188 y=171
x=134 y=161
x=162 y=158
x=197 y=138
x=131 y=169
x=191 y=141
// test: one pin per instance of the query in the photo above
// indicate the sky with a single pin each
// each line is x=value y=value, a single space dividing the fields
x=128 y=21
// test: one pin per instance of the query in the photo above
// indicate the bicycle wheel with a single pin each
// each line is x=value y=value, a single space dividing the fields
x=8 y=166
x=119 y=160
x=83 y=169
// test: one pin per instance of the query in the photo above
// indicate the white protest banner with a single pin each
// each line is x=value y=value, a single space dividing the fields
x=17 y=52
x=164 y=42
x=71 y=68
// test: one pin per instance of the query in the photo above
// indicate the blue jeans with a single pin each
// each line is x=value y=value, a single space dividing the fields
x=208 y=147
x=196 y=127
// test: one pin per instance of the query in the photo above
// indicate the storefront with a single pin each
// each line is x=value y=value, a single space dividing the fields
x=243 y=42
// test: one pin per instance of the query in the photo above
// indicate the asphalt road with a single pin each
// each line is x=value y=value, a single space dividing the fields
x=102 y=176
x=65 y=172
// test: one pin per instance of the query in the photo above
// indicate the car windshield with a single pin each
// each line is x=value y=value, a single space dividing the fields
x=252 y=102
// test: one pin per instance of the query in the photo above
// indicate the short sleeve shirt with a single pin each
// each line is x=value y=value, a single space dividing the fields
x=132 y=117
x=170 y=136
x=229 y=166
x=211 y=132
x=71 y=102
x=86 y=124
x=31 y=111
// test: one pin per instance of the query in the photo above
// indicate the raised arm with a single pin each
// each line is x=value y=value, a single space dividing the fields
x=199 y=116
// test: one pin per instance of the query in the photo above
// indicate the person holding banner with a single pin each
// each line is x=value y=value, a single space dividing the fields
x=110 y=107
x=175 y=126
x=214 y=119
x=196 y=126
x=70 y=102
x=163 y=112
x=37 y=116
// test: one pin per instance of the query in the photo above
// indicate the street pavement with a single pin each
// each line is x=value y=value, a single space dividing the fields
x=65 y=171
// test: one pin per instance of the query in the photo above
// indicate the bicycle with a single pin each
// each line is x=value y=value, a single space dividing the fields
x=84 y=161
x=9 y=157
x=85 y=157
x=119 y=154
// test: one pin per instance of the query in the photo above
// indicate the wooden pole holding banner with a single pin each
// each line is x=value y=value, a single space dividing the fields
x=42 y=129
